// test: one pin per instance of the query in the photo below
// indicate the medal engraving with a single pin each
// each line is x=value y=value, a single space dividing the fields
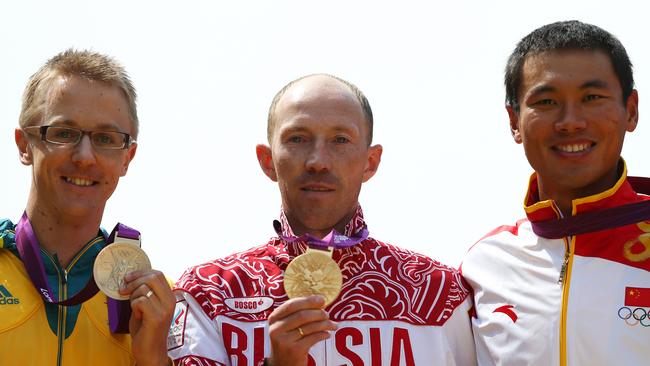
x=313 y=273
x=114 y=262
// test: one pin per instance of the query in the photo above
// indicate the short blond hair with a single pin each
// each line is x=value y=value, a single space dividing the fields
x=86 y=64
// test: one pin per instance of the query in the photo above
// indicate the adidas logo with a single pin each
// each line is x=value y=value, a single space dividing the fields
x=6 y=298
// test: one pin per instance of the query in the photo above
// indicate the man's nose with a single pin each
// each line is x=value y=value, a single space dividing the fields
x=571 y=119
x=84 y=152
x=319 y=157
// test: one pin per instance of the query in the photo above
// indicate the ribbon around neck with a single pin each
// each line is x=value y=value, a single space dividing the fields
x=119 y=311
x=593 y=221
x=334 y=239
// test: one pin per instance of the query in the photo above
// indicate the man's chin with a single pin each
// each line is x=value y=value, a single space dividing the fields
x=80 y=210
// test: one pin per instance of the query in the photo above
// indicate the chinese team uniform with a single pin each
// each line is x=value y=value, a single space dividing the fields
x=396 y=308
x=580 y=300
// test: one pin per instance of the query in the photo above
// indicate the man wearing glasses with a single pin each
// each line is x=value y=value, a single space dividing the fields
x=77 y=131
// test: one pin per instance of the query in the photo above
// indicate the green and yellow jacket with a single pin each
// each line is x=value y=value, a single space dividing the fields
x=33 y=332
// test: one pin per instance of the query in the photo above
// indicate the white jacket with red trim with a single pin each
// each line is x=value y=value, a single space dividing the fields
x=396 y=308
x=580 y=300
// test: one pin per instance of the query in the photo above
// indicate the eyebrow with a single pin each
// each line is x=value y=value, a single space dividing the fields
x=292 y=129
x=541 y=89
x=345 y=129
x=595 y=83
x=106 y=126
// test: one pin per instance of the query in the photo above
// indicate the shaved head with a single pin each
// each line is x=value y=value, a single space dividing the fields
x=300 y=87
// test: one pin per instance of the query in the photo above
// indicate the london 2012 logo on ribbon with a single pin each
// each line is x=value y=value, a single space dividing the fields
x=636 y=310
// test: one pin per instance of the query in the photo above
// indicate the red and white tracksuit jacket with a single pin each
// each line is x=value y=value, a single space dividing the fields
x=580 y=300
x=396 y=308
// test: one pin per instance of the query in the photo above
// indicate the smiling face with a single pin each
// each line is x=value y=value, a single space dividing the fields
x=74 y=181
x=572 y=122
x=319 y=154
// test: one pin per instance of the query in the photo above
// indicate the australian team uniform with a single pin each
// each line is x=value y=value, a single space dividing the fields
x=578 y=300
x=33 y=332
x=396 y=307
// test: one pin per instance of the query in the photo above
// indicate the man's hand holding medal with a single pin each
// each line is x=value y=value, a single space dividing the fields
x=312 y=281
x=123 y=271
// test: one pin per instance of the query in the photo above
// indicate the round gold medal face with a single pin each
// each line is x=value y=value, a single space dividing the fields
x=114 y=262
x=313 y=273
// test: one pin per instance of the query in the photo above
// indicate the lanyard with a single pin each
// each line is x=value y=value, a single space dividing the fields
x=29 y=249
x=333 y=240
x=592 y=221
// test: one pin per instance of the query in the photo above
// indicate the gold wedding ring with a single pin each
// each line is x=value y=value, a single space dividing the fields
x=300 y=331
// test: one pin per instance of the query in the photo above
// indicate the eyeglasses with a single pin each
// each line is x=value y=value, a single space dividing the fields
x=106 y=140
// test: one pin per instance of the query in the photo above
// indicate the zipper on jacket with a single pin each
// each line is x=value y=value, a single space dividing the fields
x=63 y=293
x=565 y=282
x=565 y=264
x=63 y=315
x=62 y=311
x=567 y=251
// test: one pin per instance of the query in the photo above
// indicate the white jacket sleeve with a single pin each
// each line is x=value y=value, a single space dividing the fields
x=194 y=338
x=459 y=336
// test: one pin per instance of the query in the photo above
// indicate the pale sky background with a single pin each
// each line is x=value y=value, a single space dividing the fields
x=206 y=72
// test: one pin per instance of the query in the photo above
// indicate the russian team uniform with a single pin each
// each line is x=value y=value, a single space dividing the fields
x=396 y=307
x=580 y=300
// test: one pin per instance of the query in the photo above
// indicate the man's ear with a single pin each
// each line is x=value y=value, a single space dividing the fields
x=265 y=158
x=374 y=158
x=127 y=159
x=24 y=149
x=632 y=106
x=514 y=124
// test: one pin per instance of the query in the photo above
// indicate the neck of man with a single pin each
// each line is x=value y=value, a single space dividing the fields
x=299 y=228
x=61 y=234
x=563 y=198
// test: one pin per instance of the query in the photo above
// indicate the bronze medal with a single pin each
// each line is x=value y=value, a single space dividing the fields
x=114 y=262
x=313 y=273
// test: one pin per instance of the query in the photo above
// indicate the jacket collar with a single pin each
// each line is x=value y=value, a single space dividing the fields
x=355 y=225
x=537 y=210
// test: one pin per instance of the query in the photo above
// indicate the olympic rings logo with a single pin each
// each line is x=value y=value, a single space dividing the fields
x=634 y=317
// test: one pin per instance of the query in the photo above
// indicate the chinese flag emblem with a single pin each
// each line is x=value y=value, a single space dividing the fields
x=637 y=296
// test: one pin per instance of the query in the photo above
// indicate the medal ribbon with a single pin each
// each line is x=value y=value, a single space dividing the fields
x=119 y=311
x=593 y=221
x=334 y=239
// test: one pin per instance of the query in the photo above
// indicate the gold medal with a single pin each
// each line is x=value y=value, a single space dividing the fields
x=114 y=262
x=313 y=273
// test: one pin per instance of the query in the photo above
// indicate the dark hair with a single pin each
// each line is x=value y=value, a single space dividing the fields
x=363 y=101
x=567 y=35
